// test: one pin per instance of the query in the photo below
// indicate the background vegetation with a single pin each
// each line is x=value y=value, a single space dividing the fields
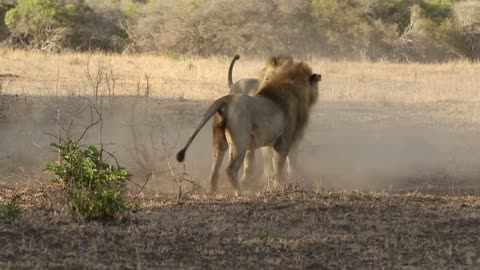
x=404 y=30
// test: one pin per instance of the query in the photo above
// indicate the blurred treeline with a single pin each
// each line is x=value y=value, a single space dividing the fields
x=399 y=30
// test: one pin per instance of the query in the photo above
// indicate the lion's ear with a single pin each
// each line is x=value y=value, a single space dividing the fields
x=315 y=78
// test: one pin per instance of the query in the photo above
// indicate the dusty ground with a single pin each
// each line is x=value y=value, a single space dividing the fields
x=290 y=229
x=389 y=167
x=369 y=146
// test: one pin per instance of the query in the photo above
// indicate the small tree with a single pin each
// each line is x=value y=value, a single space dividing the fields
x=467 y=13
x=37 y=23
x=10 y=211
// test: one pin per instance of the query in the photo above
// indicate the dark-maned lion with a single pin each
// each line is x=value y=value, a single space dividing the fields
x=249 y=86
x=275 y=117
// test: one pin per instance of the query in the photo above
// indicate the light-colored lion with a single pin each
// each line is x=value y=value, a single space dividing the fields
x=246 y=86
x=249 y=86
x=275 y=117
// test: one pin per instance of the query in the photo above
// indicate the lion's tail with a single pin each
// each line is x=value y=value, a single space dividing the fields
x=217 y=106
x=230 y=69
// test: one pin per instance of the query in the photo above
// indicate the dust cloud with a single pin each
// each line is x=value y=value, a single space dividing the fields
x=348 y=145
x=374 y=146
x=391 y=146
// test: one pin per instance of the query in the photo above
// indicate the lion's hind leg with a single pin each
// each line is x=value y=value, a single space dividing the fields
x=219 y=148
x=217 y=159
x=234 y=164
x=237 y=148
x=248 y=168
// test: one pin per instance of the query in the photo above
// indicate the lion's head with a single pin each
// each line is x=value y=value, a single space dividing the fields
x=293 y=86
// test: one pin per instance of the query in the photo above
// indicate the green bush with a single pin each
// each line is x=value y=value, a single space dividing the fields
x=39 y=13
x=37 y=24
x=393 y=12
x=174 y=55
x=56 y=25
x=437 y=10
x=3 y=28
x=10 y=211
x=94 y=188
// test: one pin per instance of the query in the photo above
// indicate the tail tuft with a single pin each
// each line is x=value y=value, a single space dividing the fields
x=181 y=155
x=236 y=57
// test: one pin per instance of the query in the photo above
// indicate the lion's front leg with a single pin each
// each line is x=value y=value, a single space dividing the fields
x=267 y=163
x=292 y=162
x=279 y=158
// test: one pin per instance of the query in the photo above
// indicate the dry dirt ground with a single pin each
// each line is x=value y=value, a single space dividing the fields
x=289 y=229
x=390 y=172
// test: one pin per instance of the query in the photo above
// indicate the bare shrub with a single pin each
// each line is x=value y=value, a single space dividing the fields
x=350 y=29
x=225 y=26
x=467 y=14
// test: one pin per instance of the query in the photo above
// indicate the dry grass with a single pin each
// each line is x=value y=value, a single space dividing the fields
x=187 y=78
x=206 y=79
x=290 y=229
x=196 y=78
